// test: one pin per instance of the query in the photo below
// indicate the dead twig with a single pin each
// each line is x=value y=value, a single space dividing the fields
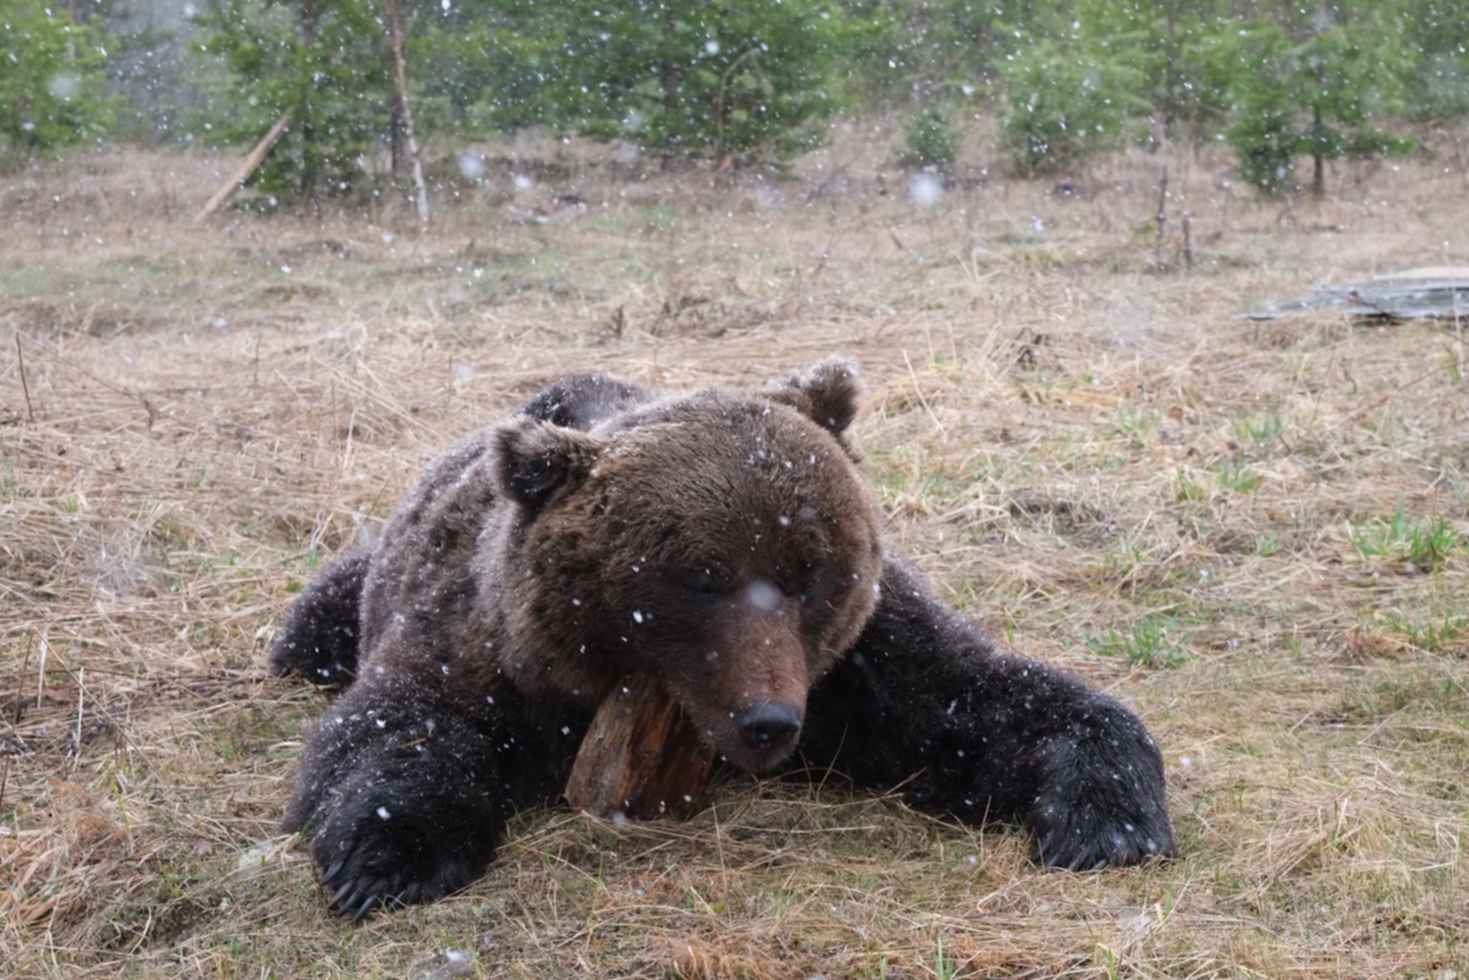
x=1161 y=218
x=117 y=389
x=24 y=385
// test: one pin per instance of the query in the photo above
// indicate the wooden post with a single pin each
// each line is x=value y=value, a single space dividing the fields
x=641 y=757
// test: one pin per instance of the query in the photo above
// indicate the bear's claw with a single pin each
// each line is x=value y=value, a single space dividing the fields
x=371 y=867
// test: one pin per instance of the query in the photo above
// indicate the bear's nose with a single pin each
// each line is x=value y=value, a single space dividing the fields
x=768 y=726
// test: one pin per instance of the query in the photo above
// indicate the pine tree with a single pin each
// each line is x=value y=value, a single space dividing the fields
x=51 y=78
x=1316 y=94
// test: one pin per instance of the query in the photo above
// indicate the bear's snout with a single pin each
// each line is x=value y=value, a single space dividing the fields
x=770 y=730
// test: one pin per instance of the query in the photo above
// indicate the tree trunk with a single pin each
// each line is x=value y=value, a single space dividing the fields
x=306 y=182
x=1170 y=72
x=1318 y=159
x=400 y=100
x=1325 y=17
x=252 y=160
x=397 y=141
x=669 y=77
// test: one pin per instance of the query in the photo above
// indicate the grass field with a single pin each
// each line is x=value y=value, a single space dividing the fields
x=1257 y=534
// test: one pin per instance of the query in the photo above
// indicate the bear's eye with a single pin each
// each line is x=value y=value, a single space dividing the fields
x=803 y=580
x=709 y=580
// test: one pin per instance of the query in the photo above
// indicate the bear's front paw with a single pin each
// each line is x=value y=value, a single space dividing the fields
x=1081 y=835
x=369 y=857
x=1102 y=802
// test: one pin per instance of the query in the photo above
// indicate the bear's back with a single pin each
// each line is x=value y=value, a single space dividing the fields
x=421 y=584
x=580 y=401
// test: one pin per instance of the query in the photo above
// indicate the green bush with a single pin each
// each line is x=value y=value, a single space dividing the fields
x=1060 y=106
x=51 y=78
x=1441 y=87
x=931 y=141
x=1265 y=148
x=712 y=79
x=487 y=75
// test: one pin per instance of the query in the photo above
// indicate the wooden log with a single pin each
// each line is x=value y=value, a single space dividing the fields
x=641 y=757
x=246 y=169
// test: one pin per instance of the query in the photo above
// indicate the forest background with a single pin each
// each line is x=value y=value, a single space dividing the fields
x=732 y=83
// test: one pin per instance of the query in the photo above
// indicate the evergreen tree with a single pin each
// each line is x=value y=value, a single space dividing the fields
x=684 y=78
x=1315 y=96
x=1160 y=40
x=51 y=78
x=322 y=63
x=931 y=141
x=1063 y=104
x=1436 y=34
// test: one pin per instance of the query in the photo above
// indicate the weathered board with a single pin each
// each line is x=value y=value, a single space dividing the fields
x=1439 y=293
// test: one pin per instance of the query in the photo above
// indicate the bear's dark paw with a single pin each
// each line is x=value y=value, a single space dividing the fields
x=1101 y=802
x=1081 y=836
x=377 y=860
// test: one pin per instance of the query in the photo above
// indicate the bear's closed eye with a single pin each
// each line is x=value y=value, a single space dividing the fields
x=706 y=580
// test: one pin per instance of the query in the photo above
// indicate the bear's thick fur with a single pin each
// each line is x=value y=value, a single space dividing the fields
x=721 y=541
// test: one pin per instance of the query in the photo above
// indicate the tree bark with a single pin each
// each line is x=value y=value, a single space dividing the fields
x=397 y=142
x=1170 y=71
x=310 y=159
x=400 y=79
x=1318 y=158
x=669 y=77
x=641 y=757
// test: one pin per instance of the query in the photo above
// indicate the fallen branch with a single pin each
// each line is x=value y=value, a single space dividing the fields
x=246 y=169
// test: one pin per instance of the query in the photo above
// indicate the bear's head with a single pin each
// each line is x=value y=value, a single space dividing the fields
x=722 y=542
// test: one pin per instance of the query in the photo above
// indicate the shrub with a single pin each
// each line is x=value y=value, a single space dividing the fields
x=1060 y=107
x=694 y=79
x=931 y=141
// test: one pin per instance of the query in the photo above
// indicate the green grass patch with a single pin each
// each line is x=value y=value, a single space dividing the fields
x=1136 y=425
x=1425 y=544
x=1153 y=641
x=1260 y=430
x=1186 y=489
x=1426 y=631
x=1237 y=477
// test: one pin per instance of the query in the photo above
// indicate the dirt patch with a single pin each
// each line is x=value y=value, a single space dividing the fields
x=102 y=320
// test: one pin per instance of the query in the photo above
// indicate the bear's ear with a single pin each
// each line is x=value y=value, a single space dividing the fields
x=536 y=461
x=826 y=393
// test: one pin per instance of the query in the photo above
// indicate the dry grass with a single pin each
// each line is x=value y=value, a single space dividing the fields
x=1214 y=518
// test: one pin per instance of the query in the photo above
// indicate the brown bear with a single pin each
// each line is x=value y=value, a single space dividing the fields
x=722 y=542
